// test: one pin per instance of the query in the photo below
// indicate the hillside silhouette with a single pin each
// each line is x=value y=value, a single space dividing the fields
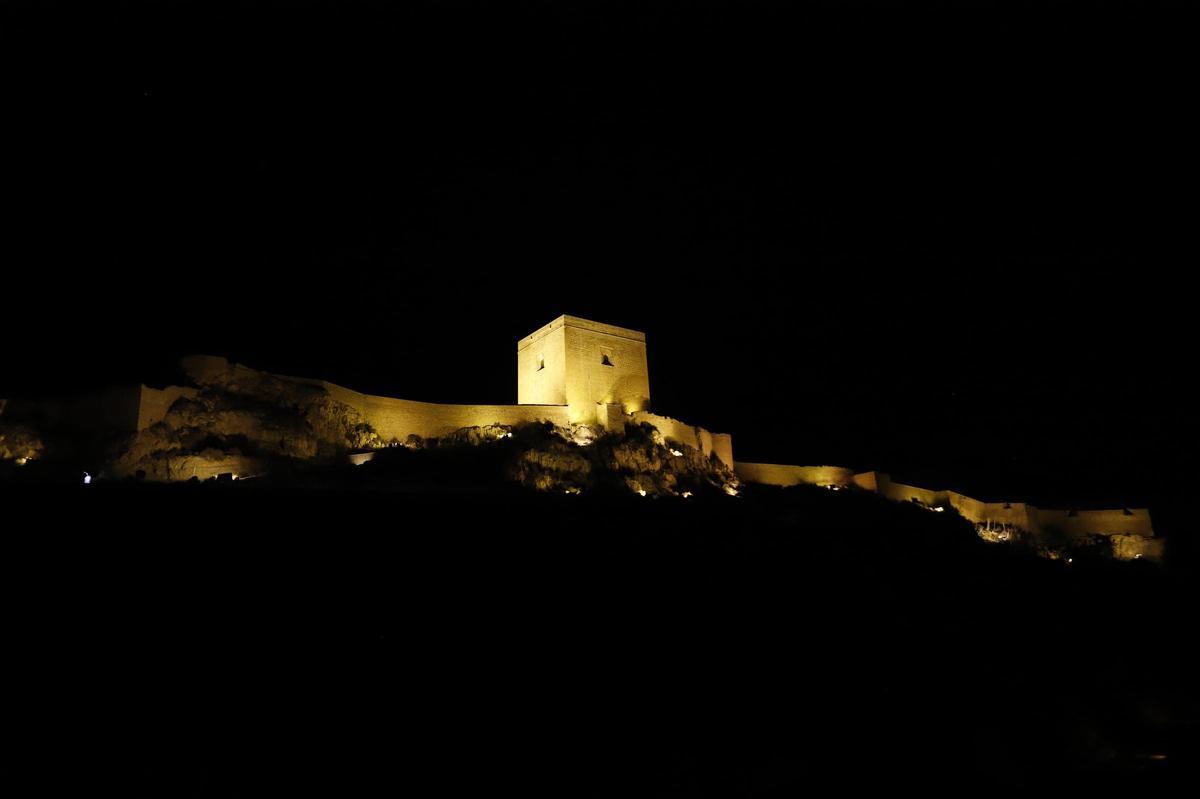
x=363 y=630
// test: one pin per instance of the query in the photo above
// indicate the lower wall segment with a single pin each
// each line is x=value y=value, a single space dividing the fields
x=1130 y=528
x=690 y=435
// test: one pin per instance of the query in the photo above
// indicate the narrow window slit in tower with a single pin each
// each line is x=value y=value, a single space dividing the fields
x=605 y=360
x=541 y=361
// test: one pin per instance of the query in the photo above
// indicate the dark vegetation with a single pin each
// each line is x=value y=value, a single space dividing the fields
x=370 y=633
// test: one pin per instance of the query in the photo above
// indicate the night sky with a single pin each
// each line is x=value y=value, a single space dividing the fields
x=953 y=240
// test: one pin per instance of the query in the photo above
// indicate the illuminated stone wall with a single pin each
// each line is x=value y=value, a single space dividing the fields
x=612 y=418
x=390 y=417
x=583 y=364
x=397 y=418
x=673 y=430
x=605 y=364
x=900 y=492
x=785 y=475
x=153 y=403
x=722 y=445
x=1122 y=521
x=1123 y=525
x=542 y=366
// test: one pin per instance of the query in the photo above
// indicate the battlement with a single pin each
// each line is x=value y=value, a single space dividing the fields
x=581 y=324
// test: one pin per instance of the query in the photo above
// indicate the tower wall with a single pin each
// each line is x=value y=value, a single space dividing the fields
x=583 y=365
x=542 y=366
x=605 y=365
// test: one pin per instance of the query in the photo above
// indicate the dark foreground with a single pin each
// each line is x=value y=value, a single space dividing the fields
x=250 y=639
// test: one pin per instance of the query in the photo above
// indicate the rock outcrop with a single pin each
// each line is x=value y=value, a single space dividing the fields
x=548 y=458
x=19 y=443
x=243 y=423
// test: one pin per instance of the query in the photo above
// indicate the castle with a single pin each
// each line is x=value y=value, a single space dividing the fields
x=574 y=372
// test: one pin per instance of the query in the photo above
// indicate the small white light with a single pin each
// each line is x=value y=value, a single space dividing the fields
x=676 y=453
x=834 y=488
x=937 y=509
x=642 y=492
x=235 y=477
x=1138 y=555
x=687 y=494
x=508 y=435
x=22 y=461
x=87 y=479
x=1069 y=560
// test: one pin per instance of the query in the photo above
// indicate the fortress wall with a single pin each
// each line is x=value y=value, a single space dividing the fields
x=1120 y=524
x=906 y=493
x=547 y=385
x=867 y=481
x=1016 y=514
x=722 y=444
x=589 y=380
x=397 y=418
x=969 y=508
x=777 y=474
x=690 y=435
x=1130 y=547
x=153 y=403
x=1077 y=524
x=611 y=418
x=391 y=417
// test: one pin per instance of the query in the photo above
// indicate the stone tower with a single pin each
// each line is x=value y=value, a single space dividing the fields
x=587 y=366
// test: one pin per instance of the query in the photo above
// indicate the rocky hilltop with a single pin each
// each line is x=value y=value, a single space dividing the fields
x=242 y=422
